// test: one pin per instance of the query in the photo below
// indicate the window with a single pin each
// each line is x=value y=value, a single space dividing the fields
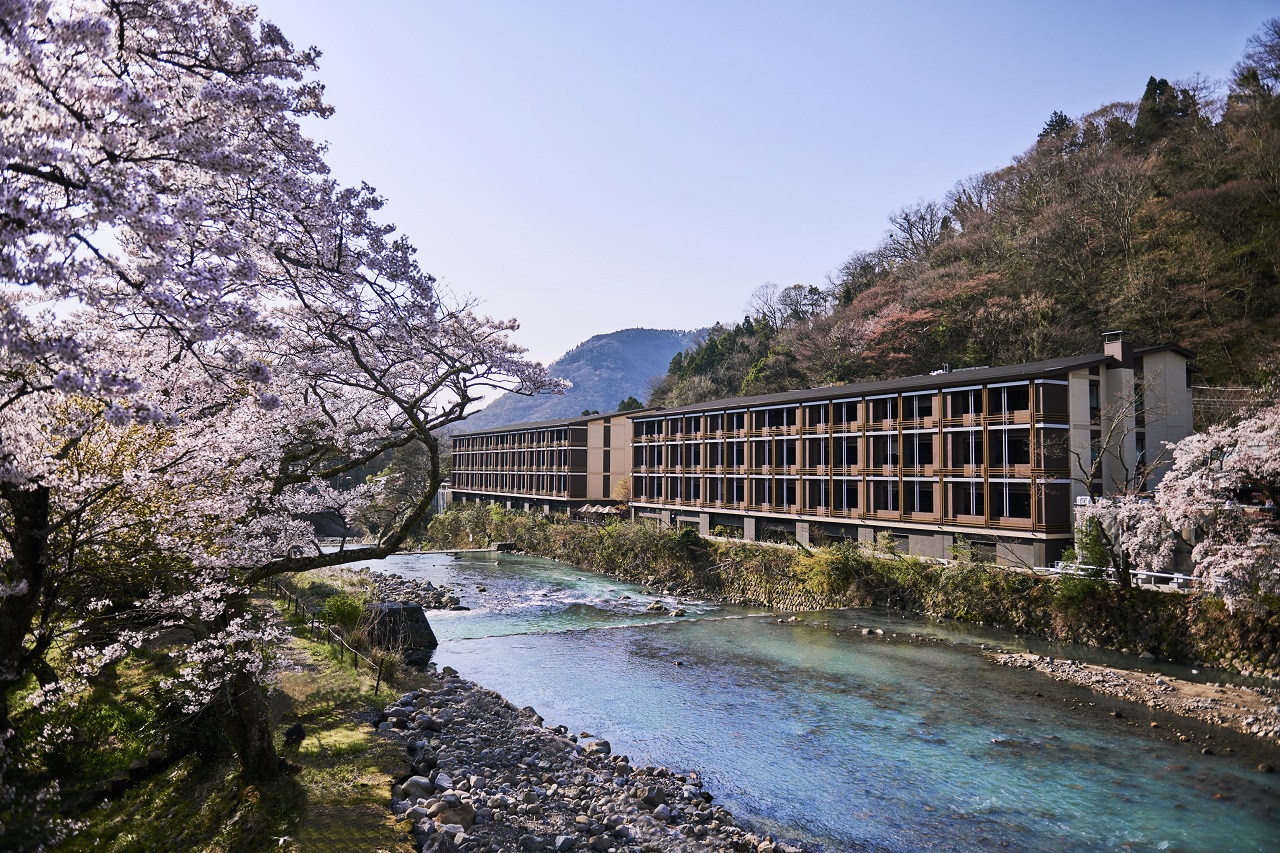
x=788 y=454
x=846 y=494
x=966 y=498
x=817 y=494
x=1009 y=399
x=884 y=495
x=964 y=448
x=735 y=490
x=845 y=452
x=882 y=449
x=919 y=496
x=967 y=402
x=884 y=409
x=817 y=452
x=917 y=449
x=845 y=413
x=692 y=489
x=1010 y=447
x=761 y=454
x=917 y=407
x=1011 y=500
x=715 y=454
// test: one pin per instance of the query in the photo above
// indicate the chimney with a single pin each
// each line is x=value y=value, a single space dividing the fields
x=1117 y=345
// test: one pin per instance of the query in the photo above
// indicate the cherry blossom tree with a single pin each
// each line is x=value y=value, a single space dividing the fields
x=203 y=333
x=1221 y=494
x=1225 y=485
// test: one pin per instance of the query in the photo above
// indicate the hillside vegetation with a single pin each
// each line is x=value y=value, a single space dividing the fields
x=1161 y=217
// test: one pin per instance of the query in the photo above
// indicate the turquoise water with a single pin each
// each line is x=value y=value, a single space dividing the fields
x=813 y=731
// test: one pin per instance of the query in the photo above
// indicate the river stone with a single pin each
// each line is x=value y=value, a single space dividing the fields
x=598 y=747
x=653 y=796
x=415 y=787
x=462 y=815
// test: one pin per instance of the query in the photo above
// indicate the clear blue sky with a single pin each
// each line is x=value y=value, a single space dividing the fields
x=591 y=166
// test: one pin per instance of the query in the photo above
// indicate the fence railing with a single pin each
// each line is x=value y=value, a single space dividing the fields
x=1172 y=580
x=318 y=627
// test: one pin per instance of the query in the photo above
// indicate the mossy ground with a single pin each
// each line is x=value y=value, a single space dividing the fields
x=336 y=801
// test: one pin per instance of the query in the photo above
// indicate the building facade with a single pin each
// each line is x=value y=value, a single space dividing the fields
x=549 y=466
x=998 y=455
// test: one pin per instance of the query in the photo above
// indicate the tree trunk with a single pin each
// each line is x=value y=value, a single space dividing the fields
x=25 y=579
x=246 y=721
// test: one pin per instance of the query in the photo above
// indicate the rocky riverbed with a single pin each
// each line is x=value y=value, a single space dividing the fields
x=1250 y=711
x=482 y=775
x=388 y=586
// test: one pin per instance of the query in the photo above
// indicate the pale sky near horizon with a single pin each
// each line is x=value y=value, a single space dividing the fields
x=593 y=166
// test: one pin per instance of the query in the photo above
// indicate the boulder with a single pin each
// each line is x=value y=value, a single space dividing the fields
x=402 y=624
x=462 y=815
x=415 y=787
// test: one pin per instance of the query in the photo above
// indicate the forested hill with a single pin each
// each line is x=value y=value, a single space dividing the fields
x=1160 y=217
x=604 y=370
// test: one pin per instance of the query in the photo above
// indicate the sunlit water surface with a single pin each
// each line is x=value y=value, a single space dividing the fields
x=813 y=731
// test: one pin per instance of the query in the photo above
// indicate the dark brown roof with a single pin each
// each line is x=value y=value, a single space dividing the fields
x=953 y=379
x=581 y=420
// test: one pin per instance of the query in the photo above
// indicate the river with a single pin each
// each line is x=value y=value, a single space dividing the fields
x=816 y=732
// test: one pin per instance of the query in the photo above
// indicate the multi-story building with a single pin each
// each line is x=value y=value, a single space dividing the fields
x=998 y=455
x=549 y=466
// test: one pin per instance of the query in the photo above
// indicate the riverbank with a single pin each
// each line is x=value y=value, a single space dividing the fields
x=1253 y=712
x=1249 y=711
x=1196 y=628
x=486 y=776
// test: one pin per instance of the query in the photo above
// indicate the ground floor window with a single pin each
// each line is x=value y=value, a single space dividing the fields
x=966 y=498
x=884 y=495
x=1011 y=500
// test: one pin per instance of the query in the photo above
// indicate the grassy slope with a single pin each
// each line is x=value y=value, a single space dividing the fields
x=336 y=802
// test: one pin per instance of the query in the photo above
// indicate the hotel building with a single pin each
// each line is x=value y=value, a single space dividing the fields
x=550 y=466
x=998 y=455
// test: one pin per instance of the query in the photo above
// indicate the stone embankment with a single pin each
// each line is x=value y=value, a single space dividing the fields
x=486 y=776
x=1250 y=711
x=393 y=587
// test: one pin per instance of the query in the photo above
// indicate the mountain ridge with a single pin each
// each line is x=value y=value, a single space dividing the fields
x=602 y=371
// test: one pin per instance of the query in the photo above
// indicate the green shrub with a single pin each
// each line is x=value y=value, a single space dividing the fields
x=1079 y=593
x=344 y=610
x=830 y=571
x=1090 y=550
